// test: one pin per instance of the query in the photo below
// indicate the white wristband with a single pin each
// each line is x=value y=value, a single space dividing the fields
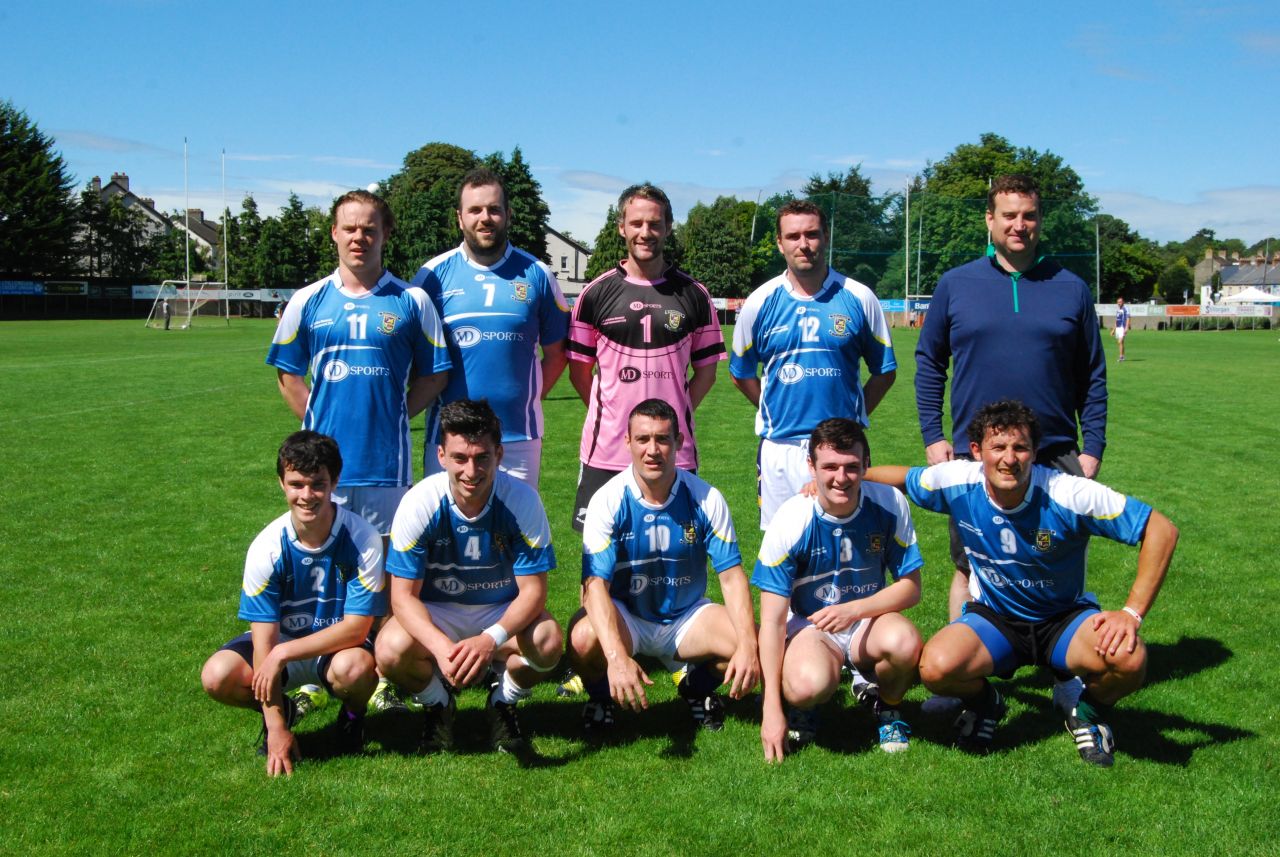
x=1134 y=613
x=500 y=635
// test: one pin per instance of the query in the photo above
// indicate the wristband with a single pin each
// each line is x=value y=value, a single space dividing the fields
x=1134 y=613
x=500 y=635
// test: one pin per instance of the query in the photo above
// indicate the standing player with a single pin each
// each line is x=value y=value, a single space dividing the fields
x=810 y=327
x=1025 y=529
x=362 y=335
x=498 y=304
x=649 y=534
x=824 y=601
x=1018 y=325
x=313 y=584
x=642 y=325
x=470 y=552
x=1122 y=325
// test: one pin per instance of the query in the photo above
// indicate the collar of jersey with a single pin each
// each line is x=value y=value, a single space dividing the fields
x=832 y=519
x=634 y=487
x=336 y=276
x=794 y=290
x=333 y=532
x=462 y=248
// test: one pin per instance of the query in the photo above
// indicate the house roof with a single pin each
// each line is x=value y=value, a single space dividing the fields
x=1251 y=275
x=573 y=242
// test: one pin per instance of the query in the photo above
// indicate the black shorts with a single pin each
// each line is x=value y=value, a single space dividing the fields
x=243 y=646
x=1014 y=643
x=1064 y=457
x=590 y=480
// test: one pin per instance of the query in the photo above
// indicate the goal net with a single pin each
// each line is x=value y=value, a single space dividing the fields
x=180 y=304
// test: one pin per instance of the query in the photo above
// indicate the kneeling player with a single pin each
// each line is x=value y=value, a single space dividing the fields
x=470 y=552
x=823 y=601
x=313 y=584
x=649 y=532
x=1026 y=532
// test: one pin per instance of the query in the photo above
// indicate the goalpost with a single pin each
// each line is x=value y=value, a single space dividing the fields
x=180 y=305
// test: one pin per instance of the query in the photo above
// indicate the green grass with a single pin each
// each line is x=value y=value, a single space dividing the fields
x=137 y=465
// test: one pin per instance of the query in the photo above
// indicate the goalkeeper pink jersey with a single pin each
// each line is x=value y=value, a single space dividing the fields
x=643 y=337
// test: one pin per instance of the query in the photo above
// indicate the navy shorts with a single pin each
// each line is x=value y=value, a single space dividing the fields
x=1014 y=643
x=298 y=673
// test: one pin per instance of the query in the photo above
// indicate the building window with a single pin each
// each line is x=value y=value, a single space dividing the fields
x=564 y=263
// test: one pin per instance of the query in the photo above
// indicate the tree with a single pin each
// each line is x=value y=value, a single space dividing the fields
x=1176 y=282
x=861 y=223
x=168 y=257
x=423 y=195
x=955 y=189
x=1130 y=263
x=37 y=210
x=246 y=235
x=717 y=251
x=1193 y=248
x=125 y=241
x=91 y=215
x=529 y=212
x=609 y=247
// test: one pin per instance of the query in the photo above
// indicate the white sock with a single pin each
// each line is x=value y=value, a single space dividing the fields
x=434 y=693
x=508 y=691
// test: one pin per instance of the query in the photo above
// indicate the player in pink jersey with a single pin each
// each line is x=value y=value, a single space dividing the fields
x=643 y=326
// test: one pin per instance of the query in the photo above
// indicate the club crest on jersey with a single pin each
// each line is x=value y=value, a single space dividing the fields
x=388 y=322
x=1044 y=540
x=520 y=291
x=840 y=325
x=674 y=319
x=346 y=571
x=875 y=543
x=500 y=543
x=690 y=535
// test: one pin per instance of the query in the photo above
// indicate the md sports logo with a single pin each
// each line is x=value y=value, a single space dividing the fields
x=465 y=337
x=793 y=373
x=639 y=583
x=295 y=622
x=340 y=370
x=450 y=585
x=628 y=374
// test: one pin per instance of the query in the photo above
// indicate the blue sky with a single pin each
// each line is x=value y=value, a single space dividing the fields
x=1165 y=109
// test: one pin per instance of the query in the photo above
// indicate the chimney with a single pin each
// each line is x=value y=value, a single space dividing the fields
x=195 y=214
x=1208 y=253
x=121 y=179
x=150 y=203
x=1235 y=257
x=96 y=184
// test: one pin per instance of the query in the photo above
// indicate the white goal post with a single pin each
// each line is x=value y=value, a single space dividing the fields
x=182 y=304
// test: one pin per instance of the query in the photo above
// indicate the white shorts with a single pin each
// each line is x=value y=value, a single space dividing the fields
x=520 y=458
x=841 y=642
x=656 y=639
x=459 y=621
x=783 y=469
x=377 y=504
x=1120 y=332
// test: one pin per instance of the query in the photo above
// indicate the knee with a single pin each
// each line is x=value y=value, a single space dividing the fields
x=350 y=668
x=582 y=637
x=390 y=649
x=1129 y=664
x=936 y=664
x=222 y=680
x=902 y=644
x=807 y=686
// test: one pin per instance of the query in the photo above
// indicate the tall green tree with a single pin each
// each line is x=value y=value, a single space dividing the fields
x=862 y=235
x=246 y=235
x=954 y=201
x=609 y=248
x=423 y=196
x=37 y=207
x=529 y=212
x=168 y=258
x=91 y=215
x=1177 y=282
x=125 y=241
x=717 y=250
x=1130 y=263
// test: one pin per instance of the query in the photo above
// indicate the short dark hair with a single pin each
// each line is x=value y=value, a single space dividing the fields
x=482 y=177
x=1018 y=183
x=472 y=420
x=385 y=217
x=1001 y=417
x=839 y=433
x=802 y=206
x=306 y=452
x=654 y=409
x=644 y=190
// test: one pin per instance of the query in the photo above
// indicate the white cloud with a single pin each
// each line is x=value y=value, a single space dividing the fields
x=106 y=143
x=1248 y=213
x=244 y=156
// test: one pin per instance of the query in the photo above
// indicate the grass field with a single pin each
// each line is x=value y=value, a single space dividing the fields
x=137 y=466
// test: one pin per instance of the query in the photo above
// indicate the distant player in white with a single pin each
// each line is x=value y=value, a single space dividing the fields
x=1122 y=325
x=810 y=328
x=470 y=552
x=363 y=336
x=649 y=534
x=498 y=304
x=824 y=598
x=1025 y=530
x=313 y=585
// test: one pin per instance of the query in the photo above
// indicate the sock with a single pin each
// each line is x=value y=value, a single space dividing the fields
x=526 y=662
x=597 y=688
x=988 y=699
x=1089 y=709
x=700 y=681
x=508 y=691
x=434 y=693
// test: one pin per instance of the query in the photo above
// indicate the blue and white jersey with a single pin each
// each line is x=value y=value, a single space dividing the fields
x=306 y=590
x=810 y=348
x=817 y=560
x=359 y=351
x=1122 y=317
x=655 y=557
x=495 y=318
x=463 y=560
x=1029 y=562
